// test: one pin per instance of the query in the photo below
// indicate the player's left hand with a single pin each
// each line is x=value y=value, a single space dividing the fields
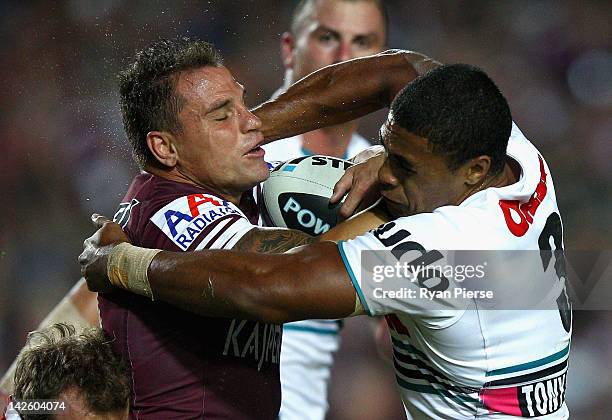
x=360 y=181
x=97 y=247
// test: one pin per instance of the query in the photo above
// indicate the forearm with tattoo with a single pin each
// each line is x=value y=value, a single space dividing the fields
x=272 y=240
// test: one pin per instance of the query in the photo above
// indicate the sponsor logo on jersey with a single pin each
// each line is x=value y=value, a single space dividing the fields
x=185 y=218
x=519 y=216
x=543 y=397
x=391 y=236
x=255 y=340
x=529 y=395
x=122 y=217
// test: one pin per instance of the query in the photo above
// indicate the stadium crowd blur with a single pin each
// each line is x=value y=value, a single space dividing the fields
x=64 y=153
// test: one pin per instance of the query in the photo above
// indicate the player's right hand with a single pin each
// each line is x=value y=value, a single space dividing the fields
x=360 y=181
x=96 y=249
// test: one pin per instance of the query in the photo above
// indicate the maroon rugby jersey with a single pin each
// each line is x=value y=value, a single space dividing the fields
x=184 y=365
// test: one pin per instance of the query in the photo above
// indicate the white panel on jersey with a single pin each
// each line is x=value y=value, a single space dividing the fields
x=184 y=219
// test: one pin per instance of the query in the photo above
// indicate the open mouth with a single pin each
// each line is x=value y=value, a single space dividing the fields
x=256 y=152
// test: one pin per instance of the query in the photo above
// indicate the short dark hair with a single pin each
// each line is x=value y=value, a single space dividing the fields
x=57 y=358
x=149 y=100
x=299 y=10
x=460 y=111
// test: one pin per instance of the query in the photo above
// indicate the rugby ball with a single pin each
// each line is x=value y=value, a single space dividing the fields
x=296 y=195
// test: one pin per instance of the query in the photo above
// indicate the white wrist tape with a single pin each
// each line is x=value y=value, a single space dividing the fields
x=127 y=268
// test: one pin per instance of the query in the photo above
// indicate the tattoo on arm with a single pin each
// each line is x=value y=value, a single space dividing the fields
x=272 y=240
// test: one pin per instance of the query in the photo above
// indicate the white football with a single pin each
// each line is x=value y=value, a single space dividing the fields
x=296 y=195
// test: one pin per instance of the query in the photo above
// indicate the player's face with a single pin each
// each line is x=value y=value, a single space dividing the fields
x=336 y=31
x=220 y=139
x=414 y=180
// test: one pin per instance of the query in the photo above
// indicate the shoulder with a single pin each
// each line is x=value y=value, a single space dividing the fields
x=532 y=163
x=426 y=229
x=190 y=219
x=447 y=228
x=177 y=216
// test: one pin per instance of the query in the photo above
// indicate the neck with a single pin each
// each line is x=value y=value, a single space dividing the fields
x=174 y=174
x=330 y=141
x=502 y=179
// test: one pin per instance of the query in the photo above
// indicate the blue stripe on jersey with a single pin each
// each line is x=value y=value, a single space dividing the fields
x=314 y=330
x=349 y=270
x=531 y=365
x=423 y=363
x=529 y=377
x=424 y=372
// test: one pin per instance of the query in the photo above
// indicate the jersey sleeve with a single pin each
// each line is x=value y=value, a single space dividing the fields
x=393 y=272
x=201 y=221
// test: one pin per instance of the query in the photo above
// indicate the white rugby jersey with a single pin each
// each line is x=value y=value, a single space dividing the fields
x=460 y=359
x=308 y=346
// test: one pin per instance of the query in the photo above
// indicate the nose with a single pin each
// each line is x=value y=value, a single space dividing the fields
x=344 y=52
x=386 y=178
x=249 y=121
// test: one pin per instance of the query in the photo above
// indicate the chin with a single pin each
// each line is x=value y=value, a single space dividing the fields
x=265 y=175
x=259 y=173
x=396 y=210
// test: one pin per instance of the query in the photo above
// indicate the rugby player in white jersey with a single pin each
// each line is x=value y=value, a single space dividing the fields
x=322 y=32
x=456 y=175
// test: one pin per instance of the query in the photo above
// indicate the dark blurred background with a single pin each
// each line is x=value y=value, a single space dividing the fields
x=64 y=153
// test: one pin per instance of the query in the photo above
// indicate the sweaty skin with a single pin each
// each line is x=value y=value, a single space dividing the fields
x=326 y=97
x=306 y=106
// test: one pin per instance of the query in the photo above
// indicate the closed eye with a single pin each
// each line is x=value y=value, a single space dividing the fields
x=402 y=164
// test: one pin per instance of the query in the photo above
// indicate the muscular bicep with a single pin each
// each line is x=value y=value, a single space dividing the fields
x=272 y=240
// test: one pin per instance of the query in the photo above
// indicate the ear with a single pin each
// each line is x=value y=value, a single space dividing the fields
x=162 y=145
x=287 y=47
x=476 y=169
